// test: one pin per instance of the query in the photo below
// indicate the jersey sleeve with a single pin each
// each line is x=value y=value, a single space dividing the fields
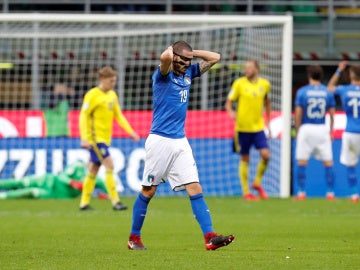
x=157 y=75
x=121 y=120
x=84 y=118
x=268 y=88
x=195 y=70
x=234 y=91
x=299 y=98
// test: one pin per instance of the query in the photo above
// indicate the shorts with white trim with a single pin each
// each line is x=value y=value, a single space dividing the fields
x=169 y=160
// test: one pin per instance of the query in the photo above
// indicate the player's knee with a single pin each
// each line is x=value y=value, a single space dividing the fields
x=148 y=192
x=193 y=189
x=266 y=156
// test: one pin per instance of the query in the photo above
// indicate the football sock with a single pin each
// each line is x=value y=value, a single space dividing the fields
x=243 y=174
x=262 y=166
x=330 y=178
x=111 y=187
x=87 y=190
x=139 y=212
x=301 y=178
x=201 y=213
x=352 y=179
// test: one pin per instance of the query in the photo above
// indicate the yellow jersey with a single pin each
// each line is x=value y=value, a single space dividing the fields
x=97 y=114
x=250 y=103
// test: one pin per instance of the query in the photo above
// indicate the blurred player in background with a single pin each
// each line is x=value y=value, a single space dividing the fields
x=65 y=185
x=99 y=108
x=350 y=99
x=169 y=156
x=312 y=135
x=251 y=93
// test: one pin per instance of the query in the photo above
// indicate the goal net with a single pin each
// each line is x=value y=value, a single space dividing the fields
x=48 y=62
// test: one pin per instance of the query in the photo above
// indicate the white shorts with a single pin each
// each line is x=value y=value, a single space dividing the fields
x=169 y=160
x=350 y=149
x=314 y=139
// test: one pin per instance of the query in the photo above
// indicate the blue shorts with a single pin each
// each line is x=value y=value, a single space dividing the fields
x=99 y=152
x=246 y=139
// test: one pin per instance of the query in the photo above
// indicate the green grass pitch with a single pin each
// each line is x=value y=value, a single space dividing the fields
x=273 y=234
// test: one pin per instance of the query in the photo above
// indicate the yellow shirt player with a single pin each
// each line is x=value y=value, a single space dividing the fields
x=100 y=107
x=251 y=95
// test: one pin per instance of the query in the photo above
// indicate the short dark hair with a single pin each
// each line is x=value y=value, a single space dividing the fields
x=355 y=70
x=181 y=45
x=315 y=72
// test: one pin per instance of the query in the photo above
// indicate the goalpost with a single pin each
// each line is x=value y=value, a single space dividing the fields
x=48 y=62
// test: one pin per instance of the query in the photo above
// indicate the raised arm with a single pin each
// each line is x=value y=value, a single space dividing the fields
x=165 y=60
x=335 y=78
x=208 y=59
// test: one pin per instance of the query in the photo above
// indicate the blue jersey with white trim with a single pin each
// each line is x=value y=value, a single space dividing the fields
x=170 y=102
x=315 y=101
x=350 y=99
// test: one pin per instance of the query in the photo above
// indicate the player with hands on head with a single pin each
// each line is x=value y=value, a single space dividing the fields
x=251 y=93
x=99 y=108
x=350 y=144
x=312 y=135
x=169 y=156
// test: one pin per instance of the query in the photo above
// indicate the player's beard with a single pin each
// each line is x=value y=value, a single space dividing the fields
x=179 y=67
x=251 y=77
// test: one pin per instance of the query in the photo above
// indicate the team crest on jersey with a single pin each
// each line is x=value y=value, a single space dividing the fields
x=151 y=178
x=187 y=80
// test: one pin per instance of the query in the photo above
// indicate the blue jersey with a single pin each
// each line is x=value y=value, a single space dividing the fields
x=170 y=102
x=315 y=100
x=350 y=99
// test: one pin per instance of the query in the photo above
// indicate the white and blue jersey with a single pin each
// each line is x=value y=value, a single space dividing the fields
x=350 y=99
x=170 y=102
x=313 y=136
x=315 y=101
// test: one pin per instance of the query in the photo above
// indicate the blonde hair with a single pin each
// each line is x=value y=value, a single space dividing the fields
x=106 y=72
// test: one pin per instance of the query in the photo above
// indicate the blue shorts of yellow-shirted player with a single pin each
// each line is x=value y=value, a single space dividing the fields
x=99 y=152
x=244 y=140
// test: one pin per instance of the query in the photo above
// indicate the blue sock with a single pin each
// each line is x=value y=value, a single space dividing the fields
x=301 y=175
x=139 y=213
x=352 y=179
x=201 y=213
x=330 y=178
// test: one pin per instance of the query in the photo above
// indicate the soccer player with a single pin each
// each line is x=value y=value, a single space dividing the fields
x=313 y=137
x=65 y=185
x=168 y=154
x=350 y=99
x=251 y=93
x=100 y=107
